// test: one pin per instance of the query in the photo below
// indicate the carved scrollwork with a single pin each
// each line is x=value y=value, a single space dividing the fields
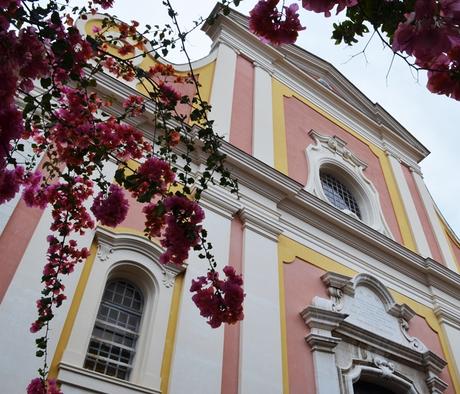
x=414 y=343
x=170 y=271
x=336 y=298
x=387 y=367
x=104 y=251
x=168 y=278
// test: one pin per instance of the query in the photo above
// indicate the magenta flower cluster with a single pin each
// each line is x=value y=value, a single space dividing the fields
x=219 y=301
x=111 y=208
x=431 y=35
x=39 y=386
x=272 y=25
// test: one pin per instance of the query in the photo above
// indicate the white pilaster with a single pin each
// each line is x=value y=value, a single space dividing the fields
x=323 y=344
x=453 y=337
x=263 y=121
x=198 y=350
x=222 y=90
x=409 y=206
x=260 y=346
x=435 y=222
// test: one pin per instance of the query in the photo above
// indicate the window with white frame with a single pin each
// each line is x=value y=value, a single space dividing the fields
x=337 y=175
x=128 y=297
x=113 y=341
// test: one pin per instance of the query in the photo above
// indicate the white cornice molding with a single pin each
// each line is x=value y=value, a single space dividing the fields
x=291 y=198
x=83 y=379
x=374 y=123
x=220 y=201
x=262 y=222
x=325 y=319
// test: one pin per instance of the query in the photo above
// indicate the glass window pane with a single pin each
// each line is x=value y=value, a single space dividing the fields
x=113 y=341
x=338 y=194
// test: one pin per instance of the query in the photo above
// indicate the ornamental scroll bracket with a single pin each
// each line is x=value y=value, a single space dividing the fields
x=387 y=367
x=170 y=271
x=337 y=146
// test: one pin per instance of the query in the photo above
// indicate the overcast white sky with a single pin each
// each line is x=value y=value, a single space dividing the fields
x=432 y=119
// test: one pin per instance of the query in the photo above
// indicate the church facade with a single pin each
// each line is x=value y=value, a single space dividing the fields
x=351 y=273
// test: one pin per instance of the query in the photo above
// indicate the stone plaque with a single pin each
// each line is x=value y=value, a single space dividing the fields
x=367 y=311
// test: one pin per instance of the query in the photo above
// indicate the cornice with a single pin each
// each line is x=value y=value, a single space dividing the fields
x=292 y=199
x=370 y=119
x=83 y=379
x=428 y=359
x=265 y=224
x=220 y=201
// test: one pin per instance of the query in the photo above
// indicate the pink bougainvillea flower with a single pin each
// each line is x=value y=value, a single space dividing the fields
x=33 y=195
x=36 y=386
x=105 y=4
x=182 y=228
x=268 y=23
x=153 y=177
x=111 y=209
x=168 y=95
x=444 y=75
x=53 y=387
x=421 y=36
x=154 y=219
x=450 y=9
x=327 y=5
x=134 y=105
x=220 y=301
x=10 y=181
x=39 y=386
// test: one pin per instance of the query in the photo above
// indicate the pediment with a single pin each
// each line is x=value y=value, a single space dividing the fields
x=368 y=305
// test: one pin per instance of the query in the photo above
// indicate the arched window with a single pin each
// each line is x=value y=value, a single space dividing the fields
x=113 y=341
x=339 y=194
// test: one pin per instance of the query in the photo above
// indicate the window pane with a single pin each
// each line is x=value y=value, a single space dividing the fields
x=338 y=194
x=113 y=341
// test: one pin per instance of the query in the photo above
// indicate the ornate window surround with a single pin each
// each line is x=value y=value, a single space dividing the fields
x=345 y=348
x=330 y=154
x=136 y=259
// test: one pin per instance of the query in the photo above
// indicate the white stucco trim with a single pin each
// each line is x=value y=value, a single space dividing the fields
x=135 y=258
x=435 y=223
x=360 y=330
x=222 y=90
x=260 y=343
x=409 y=206
x=197 y=360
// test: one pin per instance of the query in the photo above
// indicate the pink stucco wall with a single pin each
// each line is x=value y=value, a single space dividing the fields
x=302 y=282
x=242 y=107
x=418 y=327
x=299 y=120
x=14 y=241
x=230 y=365
x=135 y=219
